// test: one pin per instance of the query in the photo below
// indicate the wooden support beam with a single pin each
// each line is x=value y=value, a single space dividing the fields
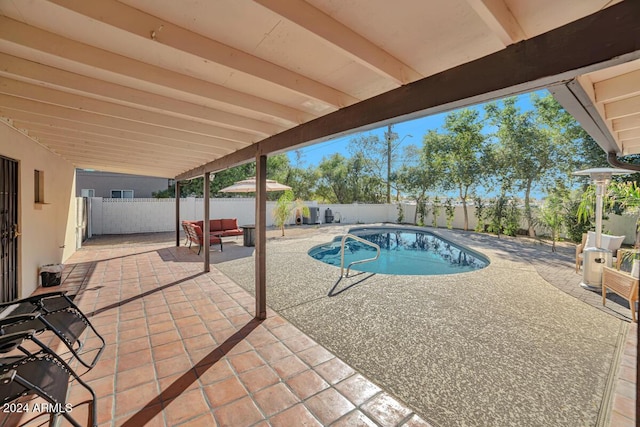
x=177 y=222
x=118 y=68
x=83 y=141
x=22 y=69
x=497 y=16
x=618 y=87
x=608 y=37
x=261 y=237
x=30 y=106
x=206 y=225
x=339 y=36
x=110 y=109
x=137 y=22
x=629 y=134
x=626 y=123
x=622 y=108
x=71 y=128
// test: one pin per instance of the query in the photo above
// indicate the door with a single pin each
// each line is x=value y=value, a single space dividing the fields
x=8 y=229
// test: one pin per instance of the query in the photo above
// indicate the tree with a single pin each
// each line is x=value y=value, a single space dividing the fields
x=277 y=168
x=379 y=158
x=461 y=152
x=584 y=151
x=574 y=225
x=552 y=215
x=286 y=205
x=627 y=195
x=527 y=151
x=342 y=180
x=302 y=179
x=230 y=176
x=420 y=178
x=467 y=155
x=331 y=187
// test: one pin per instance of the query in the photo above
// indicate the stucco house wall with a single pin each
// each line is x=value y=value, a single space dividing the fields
x=48 y=229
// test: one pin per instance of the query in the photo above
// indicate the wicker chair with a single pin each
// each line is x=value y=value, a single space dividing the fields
x=623 y=284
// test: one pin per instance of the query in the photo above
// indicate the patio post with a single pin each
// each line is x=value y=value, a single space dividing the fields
x=206 y=228
x=261 y=219
x=177 y=213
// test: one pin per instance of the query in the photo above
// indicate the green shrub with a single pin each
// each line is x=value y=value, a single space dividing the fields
x=512 y=218
x=435 y=212
x=450 y=211
x=479 y=214
x=421 y=211
x=400 y=213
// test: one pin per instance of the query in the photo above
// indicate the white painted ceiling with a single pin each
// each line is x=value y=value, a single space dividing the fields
x=615 y=93
x=160 y=87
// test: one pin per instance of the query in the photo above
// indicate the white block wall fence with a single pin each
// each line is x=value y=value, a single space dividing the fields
x=128 y=216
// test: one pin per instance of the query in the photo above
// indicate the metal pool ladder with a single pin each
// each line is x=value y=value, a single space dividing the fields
x=362 y=261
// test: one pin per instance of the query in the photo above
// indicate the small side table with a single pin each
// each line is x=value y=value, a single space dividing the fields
x=248 y=234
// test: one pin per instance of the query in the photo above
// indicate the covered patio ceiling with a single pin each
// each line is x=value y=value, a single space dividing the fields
x=177 y=89
x=607 y=104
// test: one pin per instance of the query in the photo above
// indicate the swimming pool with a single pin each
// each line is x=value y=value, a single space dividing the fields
x=403 y=251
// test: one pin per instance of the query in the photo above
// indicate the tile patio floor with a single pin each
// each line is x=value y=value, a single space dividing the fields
x=184 y=350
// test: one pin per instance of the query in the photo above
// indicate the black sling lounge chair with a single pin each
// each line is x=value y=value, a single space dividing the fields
x=57 y=313
x=42 y=373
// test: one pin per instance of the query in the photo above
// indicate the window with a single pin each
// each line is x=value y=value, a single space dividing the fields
x=122 y=194
x=87 y=192
x=38 y=186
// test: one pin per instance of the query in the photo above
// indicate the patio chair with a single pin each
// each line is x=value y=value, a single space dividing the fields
x=53 y=312
x=611 y=243
x=43 y=374
x=622 y=283
x=193 y=233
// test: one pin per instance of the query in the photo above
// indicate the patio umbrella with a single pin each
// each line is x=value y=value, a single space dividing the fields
x=249 y=186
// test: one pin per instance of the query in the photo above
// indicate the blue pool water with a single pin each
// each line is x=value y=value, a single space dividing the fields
x=403 y=251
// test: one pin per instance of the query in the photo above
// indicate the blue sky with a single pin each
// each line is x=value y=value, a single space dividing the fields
x=412 y=131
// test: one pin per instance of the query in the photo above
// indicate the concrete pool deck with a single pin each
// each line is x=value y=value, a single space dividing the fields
x=184 y=349
x=499 y=346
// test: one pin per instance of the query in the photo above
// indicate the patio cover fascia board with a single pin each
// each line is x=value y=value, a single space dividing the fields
x=606 y=38
x=573 y=98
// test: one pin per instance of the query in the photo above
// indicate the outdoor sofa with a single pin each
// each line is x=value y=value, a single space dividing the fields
x=218 y=228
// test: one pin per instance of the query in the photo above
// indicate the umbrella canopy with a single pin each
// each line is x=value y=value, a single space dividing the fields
x=249 y=186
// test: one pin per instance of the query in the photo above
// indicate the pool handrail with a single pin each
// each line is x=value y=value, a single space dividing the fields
x=361 y=240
